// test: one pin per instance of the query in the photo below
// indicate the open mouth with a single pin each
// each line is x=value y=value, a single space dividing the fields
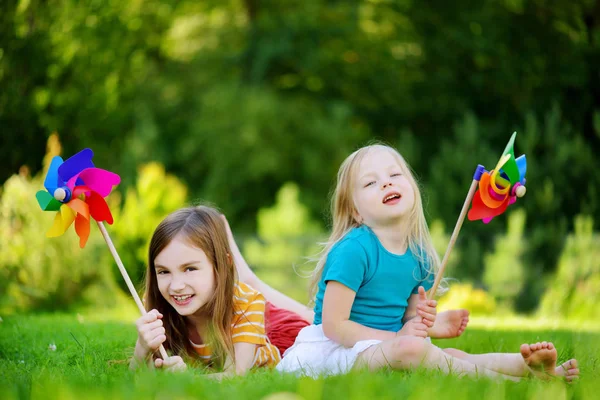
x=182 y=300
x=392 y=198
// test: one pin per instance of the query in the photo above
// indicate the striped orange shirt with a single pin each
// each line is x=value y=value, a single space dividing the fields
x=248 y=326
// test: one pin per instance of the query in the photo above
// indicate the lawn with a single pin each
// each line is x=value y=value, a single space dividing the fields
x=91 y=352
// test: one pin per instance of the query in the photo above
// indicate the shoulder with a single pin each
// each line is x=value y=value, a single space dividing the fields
x=358 y=240
x=244 y=294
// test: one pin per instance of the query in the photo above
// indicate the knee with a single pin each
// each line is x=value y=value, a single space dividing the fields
x=409 y=348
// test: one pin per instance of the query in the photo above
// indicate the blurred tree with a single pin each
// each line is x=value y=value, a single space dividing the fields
x=575 y=287
x=154 y=195
x=504 y=271
x=286 y=236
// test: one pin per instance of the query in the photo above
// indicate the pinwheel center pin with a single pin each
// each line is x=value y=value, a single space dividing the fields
x=62 y=194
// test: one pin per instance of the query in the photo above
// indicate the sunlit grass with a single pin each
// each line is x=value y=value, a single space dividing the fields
x=91 y=354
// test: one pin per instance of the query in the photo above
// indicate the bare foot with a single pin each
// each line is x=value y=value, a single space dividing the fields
x=569 y=370
x=450 y=324
x=540 y=358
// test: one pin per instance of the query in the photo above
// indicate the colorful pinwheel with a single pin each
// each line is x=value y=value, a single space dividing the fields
x=492 y=192
x=500 y=187
x=76 y=190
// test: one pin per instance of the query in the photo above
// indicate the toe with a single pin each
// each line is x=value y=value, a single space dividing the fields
x=544 y=345
x=525 y=350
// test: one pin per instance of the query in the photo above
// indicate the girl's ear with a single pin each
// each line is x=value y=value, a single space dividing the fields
x=229 y=259
x=357 y=217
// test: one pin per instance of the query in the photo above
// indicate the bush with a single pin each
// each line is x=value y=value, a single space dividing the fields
x=577 y=282
x=463 y=295
x=40 y=273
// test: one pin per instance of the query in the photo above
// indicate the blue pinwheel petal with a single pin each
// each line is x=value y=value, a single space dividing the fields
x=52 y=180
x=522 y=165
x=75 y=164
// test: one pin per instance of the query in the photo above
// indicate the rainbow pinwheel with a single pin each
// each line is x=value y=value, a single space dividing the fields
x=76 y=190
x=492 y=192
x=501 y=186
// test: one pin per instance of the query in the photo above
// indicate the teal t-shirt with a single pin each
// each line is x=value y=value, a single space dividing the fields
x=383 y=281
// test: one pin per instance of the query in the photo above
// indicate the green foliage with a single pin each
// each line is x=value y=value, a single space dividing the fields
x=575 y=286
x=286 y=235
x=238 y=98
x=154 y=195
x=504 y=271
x=39 y=273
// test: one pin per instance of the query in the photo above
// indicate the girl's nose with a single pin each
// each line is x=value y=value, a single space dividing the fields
x=177 y=284
x=385 y=185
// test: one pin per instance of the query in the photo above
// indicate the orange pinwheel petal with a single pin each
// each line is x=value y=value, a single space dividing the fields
x=484 y=192
x=80 y=207
x=82 y=227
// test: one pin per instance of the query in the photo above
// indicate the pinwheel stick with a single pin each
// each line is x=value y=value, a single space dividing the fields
x=463 y=213
x=132 y=290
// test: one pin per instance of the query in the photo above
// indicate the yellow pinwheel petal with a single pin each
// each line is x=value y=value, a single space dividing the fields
x=64 y=218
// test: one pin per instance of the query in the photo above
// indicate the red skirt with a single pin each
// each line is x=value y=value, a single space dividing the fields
x=282 y=326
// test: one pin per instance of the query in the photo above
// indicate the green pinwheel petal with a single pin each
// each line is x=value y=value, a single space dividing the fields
x=511 y=168
x=47 y=202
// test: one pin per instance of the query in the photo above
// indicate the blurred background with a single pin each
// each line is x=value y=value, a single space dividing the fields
x=252 y=105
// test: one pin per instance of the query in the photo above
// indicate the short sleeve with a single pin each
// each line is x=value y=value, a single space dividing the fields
x=347 y=264
x=425 y=278
x=249 y=318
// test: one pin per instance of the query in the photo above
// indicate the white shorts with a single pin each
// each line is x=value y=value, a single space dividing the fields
x=314 y=354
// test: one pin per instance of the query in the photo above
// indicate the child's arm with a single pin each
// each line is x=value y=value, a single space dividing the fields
x=151 y=334
x=337 y=303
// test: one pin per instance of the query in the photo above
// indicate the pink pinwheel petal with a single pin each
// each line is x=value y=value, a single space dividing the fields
x=99 y=180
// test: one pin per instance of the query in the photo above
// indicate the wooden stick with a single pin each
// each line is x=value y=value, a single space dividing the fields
x=461 y=218
x=132 y=290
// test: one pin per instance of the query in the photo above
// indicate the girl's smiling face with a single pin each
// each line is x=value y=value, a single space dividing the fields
x=185 y=276
x=382 y=192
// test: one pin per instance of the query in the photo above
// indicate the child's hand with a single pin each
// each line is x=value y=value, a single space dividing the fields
x=151 y=333
x=171 y=364
x=426 y=309
x=414 y=327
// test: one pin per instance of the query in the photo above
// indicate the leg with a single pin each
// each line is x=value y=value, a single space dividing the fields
x=272 y=295
x=538 y=359
x=408 y=352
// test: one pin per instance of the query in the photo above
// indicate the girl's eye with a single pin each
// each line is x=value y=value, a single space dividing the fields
x=396 y=174
x=190 y=269
x=163 y=272
x=369 y=184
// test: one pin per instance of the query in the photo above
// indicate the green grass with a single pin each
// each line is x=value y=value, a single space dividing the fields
x=91 y=353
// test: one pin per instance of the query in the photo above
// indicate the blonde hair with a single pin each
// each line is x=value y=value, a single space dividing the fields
x=203 y=228
x=343 y=212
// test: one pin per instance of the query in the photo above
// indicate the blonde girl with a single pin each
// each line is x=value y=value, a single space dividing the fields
x=370 y=281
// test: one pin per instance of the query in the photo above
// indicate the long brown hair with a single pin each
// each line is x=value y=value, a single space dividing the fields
x=343 y=213
x=203 y=228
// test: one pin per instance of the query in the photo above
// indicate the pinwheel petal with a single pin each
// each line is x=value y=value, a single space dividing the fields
x=75 y=164
x=80 y=207
x=47 y=202
x=64 y=218
x=82 y=227
x=52 y=180
x=98 y=208
x=99 y=180
x=480 y=211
